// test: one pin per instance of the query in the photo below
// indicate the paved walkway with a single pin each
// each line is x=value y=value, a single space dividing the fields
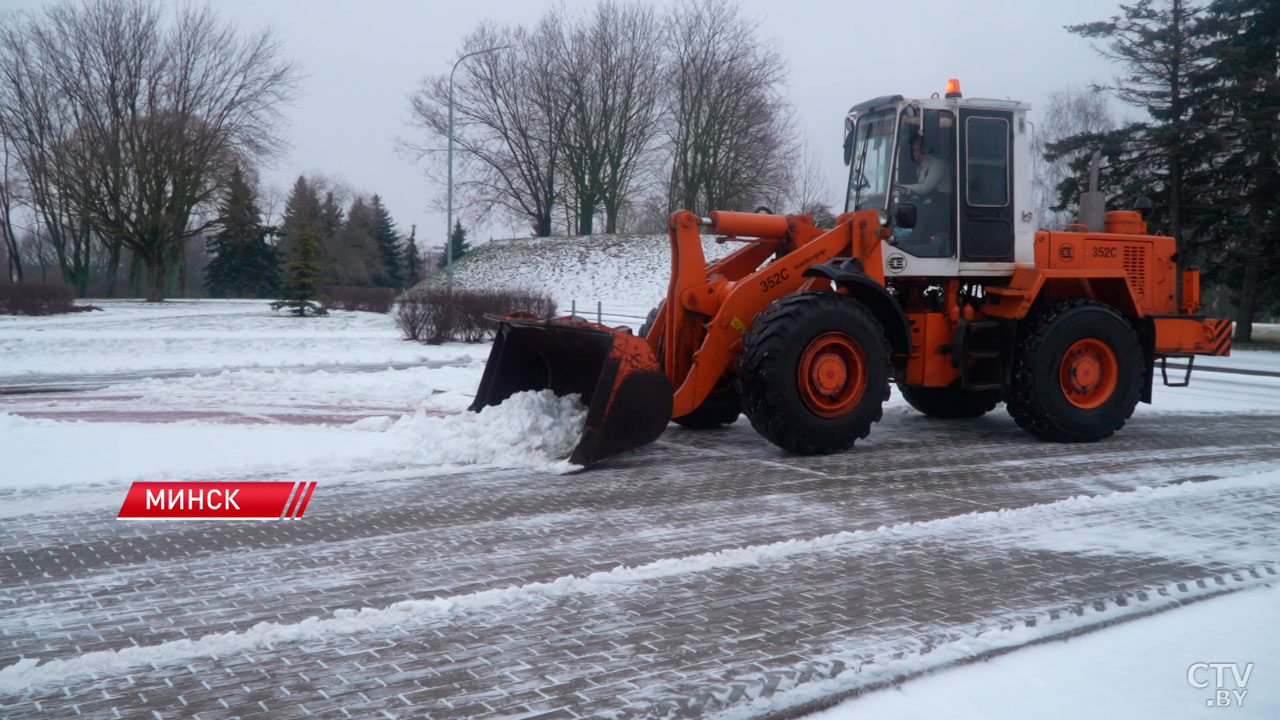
x=705 y=574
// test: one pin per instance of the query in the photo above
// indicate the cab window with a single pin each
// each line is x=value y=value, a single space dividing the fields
x=987 y=168
x=925 y=177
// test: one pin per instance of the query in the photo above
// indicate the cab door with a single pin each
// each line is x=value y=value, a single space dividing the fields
x=986 y=198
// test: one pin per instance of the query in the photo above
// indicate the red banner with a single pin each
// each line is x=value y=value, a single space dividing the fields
x=216 y=500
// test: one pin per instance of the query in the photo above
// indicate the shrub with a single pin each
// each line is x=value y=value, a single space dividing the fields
x=37 y=298
x=432 y=315
x=351 y=297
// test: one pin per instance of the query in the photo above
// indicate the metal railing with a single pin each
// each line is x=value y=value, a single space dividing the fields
x=600 y=315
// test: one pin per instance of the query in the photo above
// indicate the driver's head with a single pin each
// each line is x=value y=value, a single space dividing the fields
x=918 y=151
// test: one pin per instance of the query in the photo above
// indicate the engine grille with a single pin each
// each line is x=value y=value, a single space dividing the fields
x=1135 y=267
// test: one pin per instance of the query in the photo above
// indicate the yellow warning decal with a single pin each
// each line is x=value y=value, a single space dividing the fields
x=738 y=325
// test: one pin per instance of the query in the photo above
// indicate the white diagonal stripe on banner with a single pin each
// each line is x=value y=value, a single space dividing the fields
x=287 y=501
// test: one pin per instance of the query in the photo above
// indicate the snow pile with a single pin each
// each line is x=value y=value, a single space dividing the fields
x=533 y=429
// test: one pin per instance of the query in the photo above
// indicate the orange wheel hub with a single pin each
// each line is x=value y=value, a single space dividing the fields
x=1088 y=373
x=832 y=375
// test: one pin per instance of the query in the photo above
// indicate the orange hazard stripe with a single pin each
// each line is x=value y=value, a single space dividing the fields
x=1222 y=337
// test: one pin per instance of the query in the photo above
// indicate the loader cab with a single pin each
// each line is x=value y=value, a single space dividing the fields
x=952 y=175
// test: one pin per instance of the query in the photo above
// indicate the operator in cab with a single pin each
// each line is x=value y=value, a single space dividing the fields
x=932 y=191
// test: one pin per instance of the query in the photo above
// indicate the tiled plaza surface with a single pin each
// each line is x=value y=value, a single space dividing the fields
x=758 y=579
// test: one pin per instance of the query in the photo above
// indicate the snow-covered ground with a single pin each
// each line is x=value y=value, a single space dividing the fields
x=132 y=336
x=294 y=403
x=1136 y=670
x=303 y=395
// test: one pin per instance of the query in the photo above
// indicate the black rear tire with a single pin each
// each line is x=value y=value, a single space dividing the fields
x=1038 y=396
x=778 y=347
x=648 y=322
x=720 y=408
x=951 y=402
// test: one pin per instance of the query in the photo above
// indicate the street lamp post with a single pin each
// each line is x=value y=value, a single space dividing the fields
x=448 y=231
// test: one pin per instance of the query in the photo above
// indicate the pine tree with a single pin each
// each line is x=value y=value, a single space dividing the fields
x=301 y=210
x=1238 y=89
x=458 y=239
x=412 y=260
x=302 y=276
x=358 y=261
x=244 y=264
x=1157 y=42
x=392 y=273
x=329 y=228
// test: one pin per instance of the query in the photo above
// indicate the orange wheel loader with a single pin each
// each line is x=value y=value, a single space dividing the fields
x=934 y=278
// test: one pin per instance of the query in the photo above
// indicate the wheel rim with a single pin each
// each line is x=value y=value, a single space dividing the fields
x=1088 y=373
x=832 y=375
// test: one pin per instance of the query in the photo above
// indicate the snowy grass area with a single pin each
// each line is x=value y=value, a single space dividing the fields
x=626 y=274
x=1138 y=669
x=133 y=336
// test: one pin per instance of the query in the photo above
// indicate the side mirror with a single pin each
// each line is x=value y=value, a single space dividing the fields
x=848 y=142
x=904 y=216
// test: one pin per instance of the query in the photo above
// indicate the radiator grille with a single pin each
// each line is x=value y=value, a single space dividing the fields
x=1135 y=267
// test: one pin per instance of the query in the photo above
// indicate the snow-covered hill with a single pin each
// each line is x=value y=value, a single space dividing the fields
x=627 y=274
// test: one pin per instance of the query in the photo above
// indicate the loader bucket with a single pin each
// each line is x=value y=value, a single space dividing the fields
x=627 y=395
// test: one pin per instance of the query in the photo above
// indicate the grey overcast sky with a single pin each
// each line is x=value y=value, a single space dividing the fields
x=361 y=60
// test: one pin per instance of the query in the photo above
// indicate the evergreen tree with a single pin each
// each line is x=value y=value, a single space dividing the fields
x=412 y=260
x=329 y=235
x=392 y=273
x=1158 y=43
x=244 y=264
x=358 y=262
x=1238 y=88
x=458 y=239
x=301 y=210
x=302 y=276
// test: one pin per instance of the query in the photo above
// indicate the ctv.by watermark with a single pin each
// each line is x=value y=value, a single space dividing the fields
x=1229 y=682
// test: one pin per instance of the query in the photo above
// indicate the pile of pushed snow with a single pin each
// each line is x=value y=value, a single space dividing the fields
x=532 y=429
x=627 y=274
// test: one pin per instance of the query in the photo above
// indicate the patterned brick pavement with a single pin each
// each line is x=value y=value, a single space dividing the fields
x=756 y=579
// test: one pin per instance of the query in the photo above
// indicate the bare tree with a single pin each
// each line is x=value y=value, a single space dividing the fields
x=606 y=70
x=507 y=121
x=731 y=136
x=138 y=119
x=8 y=192
x=36 y=120
x=1068 y=111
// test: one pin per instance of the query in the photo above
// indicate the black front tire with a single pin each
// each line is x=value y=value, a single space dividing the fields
x=1036 y=396
x=951 y=402
x=769 y=365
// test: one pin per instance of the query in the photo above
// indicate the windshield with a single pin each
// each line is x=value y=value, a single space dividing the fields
x=872 y=161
